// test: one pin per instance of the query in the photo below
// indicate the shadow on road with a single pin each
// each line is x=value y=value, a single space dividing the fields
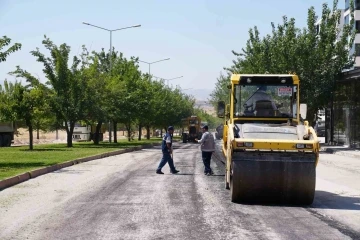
x=185 y=174
x=323 y=200
x=328 y=200
x=70 y=171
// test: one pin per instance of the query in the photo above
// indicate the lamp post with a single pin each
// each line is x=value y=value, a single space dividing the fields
x=153 y=63
x=110 y=30
x=169 y=79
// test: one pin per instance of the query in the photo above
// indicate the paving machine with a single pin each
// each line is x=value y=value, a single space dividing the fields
x=193 y=125
x=271 y=152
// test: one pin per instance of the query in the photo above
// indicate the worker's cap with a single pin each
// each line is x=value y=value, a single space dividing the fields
x=170 y=128
x=205 y=127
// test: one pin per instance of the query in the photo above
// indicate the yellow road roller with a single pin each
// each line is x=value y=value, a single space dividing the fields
x=271 y=151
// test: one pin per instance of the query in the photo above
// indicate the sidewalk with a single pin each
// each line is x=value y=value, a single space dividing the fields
x=340 y=150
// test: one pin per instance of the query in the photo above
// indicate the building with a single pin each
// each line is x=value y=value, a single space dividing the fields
x=342 y=125
x=345 y=127
x=347 y=18
x=343 y=114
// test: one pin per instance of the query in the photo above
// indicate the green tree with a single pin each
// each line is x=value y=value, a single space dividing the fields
x=316 y=57
x=101 y=98
x=26 y=101
x=146 y=109
x=96 y=110
x=212 y=121
x=4 y=42
x=68 y=97
x=221 y=91
x=126 y=94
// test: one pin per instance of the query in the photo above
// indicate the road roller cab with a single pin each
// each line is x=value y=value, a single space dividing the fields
x=271 y=151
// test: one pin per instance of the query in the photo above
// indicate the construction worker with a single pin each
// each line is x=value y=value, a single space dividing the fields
x=167 y=152
x=207 y=148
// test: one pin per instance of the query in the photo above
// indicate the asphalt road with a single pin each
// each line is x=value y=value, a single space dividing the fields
x=121 y=197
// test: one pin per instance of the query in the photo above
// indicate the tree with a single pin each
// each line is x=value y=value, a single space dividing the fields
x=25 y=101
x=103 y=103
x=125 y=92
x=68 y=99
x=212 y=121
x=96 y=110
x=221 y=91
x=5 y=41
x=175 y=105
x=146 y=109
x=317 y=58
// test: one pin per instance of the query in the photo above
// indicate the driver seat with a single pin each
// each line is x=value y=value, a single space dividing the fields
x=264 y=108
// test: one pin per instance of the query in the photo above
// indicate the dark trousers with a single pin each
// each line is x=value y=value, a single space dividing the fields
x=166 y=159
x=206 y=157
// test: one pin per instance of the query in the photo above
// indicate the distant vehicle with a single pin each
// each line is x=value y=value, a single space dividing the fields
x=7 y=131
x=193 y=129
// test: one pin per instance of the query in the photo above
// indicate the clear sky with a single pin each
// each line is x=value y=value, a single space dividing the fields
x=197 y=35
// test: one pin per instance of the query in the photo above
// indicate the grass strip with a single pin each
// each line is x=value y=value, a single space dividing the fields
x=18 y=160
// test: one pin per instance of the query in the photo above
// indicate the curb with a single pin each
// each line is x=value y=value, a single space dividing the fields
x=342 y=153
x=9 y=182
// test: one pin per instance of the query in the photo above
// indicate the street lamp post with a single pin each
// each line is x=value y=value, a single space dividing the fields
x=111 y=30
x=153 y=62
x=169 y=79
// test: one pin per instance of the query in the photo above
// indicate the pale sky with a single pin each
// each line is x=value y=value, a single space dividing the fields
x=197 y=35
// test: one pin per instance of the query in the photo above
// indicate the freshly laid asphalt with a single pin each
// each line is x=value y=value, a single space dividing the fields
x=121 y=197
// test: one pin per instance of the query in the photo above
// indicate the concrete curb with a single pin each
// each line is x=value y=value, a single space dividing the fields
x=9 y=182
x=342 y=153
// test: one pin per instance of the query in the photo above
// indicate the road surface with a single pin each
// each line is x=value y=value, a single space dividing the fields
x=121 y=197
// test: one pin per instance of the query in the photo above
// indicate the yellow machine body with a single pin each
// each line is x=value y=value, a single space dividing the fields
x=271 y=152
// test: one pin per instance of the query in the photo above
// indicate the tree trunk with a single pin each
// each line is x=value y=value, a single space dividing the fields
x=115 y=131
x=128 y=129
x=57 y=134
x=148 y=132
x=70 y=133
x=31 y=137
x=37 y=134
x=97 y=133
x=140 y=132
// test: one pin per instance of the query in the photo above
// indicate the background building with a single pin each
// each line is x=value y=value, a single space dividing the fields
x=342 y=124
x=347 y=18
x=343 y=116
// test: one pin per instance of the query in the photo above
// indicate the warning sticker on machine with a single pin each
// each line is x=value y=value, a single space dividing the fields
x=284 y=91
